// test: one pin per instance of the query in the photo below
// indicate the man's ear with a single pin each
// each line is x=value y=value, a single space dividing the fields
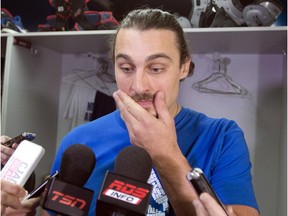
x=185 y=69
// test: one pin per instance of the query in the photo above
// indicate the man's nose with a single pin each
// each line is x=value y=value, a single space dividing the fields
x=140 y=82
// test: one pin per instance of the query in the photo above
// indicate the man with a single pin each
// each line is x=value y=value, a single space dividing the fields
x=151 y=58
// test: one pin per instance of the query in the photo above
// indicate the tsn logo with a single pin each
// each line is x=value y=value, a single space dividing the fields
x=68 y=200
x=126 y=192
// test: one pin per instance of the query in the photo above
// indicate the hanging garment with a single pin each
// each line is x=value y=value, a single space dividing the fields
x=103 y=104
x=80 y=105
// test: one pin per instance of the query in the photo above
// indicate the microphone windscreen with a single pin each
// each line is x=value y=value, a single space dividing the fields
x=134 y=162
x=77 y=164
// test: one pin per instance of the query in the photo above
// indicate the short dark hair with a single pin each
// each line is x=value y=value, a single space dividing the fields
x=146 y=19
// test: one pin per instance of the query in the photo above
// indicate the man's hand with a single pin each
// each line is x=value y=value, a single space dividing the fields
x=207 y=206
x=11 y=204
x=6 y=152
x=28 y=207
x=10 y=196
x=156 y=135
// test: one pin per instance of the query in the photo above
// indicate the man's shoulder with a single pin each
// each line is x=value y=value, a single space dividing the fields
x=93 y=129
x=101 y=122
x=201 y=120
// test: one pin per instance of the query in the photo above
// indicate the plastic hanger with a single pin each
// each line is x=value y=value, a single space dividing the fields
x=219 y=82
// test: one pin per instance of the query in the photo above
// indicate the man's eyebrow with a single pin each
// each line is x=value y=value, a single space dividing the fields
x=149 y=58
x=158 y=55
x=124 y=56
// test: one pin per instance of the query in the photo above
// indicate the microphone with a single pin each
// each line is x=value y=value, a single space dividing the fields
x=125 y=192
x=22 y=162
x=65 y=195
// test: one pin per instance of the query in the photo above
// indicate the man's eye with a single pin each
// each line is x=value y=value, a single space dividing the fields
x=126 y=69
x=156 y=69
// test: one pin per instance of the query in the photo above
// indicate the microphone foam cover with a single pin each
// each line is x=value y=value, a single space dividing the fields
x=134 y=162
x=77 y=164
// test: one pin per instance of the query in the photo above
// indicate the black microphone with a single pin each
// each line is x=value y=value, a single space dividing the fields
x=65 y=195
x=125 y=191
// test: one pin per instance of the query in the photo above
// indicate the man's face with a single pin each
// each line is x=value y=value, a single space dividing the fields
x=146 y=62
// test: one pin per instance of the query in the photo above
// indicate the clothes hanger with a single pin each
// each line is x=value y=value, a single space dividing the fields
x=219 y=79
x=79 y=77
x=81 y=74
x=98 y=78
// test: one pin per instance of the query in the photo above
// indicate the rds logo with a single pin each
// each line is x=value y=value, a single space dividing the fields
x=126 y=192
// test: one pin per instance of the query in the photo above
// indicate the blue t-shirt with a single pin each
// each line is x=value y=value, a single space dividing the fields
x=217 y=146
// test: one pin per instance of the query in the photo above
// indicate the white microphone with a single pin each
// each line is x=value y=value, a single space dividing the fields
x=22 y=162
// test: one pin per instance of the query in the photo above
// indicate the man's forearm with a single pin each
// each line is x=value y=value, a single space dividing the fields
x=179 y=190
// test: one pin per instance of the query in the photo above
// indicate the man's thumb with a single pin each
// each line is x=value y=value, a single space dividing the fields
x=160 y=105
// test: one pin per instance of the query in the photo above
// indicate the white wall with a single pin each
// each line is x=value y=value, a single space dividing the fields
x=31 y=104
